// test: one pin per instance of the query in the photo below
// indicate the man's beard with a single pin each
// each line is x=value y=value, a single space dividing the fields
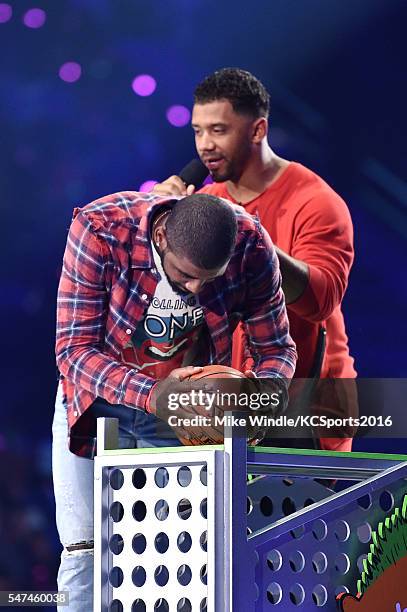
x=232 y=171
x=176 y=288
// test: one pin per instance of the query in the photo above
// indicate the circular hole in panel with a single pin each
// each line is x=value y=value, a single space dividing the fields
x=184 y=541
x=139 y=478
x=297 y=594
x=203 y=574
x=116 y=544
x=161 y=605
x=274 y=560
x=116 y=577
x=266 y=506
x=256 y=557
x=249 y=505
x=342 y=531
x=204 y=605
x=341 y=589
x=308 y=502
x=138 y=576
x=138 y=606
x=203 y=475
x=161 y=575
x=116 y=479
x=139 y=511
x=184 y=605
x=364 y=532
x=342 y=563
x=184 y=509
x=288 y=506
x=256 y=591
x=297 y=561
x=274 y=593
x=161 y=477
x=359 y=562
x=319 y=562
x=139 y=543
x=204 y=508
x=116 y=511
x=184 y=476
x=365 y=501
x=184 y=575
x=161 y=510
x=116 y=606
x=298 y=532
x=161 y=542
x=386 y=501
x=319 y=595
x=203 y=541
x=319 y=530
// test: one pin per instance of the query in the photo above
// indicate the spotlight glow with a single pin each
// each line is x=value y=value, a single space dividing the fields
x=34 y=18
x=6 y=12
x=144 y=85
x=147 y=186
x=178 y=115
x=70 y=72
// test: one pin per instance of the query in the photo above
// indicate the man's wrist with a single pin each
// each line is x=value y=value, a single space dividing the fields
x=151 y=407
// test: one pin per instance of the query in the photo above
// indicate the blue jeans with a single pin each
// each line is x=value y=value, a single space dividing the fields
x=73 y=488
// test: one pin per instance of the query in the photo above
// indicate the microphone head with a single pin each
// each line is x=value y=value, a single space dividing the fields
x=194 y=173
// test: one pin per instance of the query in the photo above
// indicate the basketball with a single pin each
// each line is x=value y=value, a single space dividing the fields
x=217 y=371
x=211 y=371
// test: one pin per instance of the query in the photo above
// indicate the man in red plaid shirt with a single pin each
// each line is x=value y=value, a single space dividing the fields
x=147 y=281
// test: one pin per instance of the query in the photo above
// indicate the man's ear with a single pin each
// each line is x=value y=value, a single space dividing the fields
x=160 y=238
x=260 y=129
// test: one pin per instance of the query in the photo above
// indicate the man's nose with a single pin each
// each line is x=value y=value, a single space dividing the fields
x=206 y=142
x=194 y=286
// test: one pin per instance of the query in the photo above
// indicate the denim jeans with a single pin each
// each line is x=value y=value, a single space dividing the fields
x=73 y=488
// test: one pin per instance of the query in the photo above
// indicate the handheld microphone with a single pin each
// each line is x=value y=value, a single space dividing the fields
x=194 y=173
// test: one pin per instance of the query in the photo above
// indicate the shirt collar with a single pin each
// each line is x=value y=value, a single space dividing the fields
x=141 y=252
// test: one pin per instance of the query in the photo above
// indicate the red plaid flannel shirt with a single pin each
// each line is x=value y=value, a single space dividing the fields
x=108 y=280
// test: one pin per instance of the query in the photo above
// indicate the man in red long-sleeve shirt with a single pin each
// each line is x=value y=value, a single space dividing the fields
x=306 y=219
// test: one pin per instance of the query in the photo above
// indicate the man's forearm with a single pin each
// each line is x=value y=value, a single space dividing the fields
x=96 y=372
x=295 y=274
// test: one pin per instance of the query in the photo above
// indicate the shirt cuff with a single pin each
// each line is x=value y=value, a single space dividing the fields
x=138 y=391
x=308 y=304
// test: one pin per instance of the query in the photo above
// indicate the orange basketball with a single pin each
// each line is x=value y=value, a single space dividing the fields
x=217 y=371
x=211 y=371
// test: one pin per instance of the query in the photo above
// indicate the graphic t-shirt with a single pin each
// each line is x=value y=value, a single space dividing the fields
x=170 y=327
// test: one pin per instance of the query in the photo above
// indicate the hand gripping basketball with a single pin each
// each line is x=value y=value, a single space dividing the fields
x=218 y=379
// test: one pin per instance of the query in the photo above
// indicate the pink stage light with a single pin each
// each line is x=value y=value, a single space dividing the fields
x=34 y=18
x=70 y=72
x=144 y=85
x=147 y=186
x=178 y=115
x=6 y=12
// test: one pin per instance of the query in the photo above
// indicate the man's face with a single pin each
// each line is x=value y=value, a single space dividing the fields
x=223 y=139
x=183 y=276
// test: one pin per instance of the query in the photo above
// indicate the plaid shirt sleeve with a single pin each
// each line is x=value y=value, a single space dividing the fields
x=81 y=320
x=265 y=317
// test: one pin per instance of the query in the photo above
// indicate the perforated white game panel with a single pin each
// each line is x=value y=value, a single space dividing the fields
x=158 y=525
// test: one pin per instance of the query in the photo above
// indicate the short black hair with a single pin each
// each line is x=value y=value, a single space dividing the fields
x=245 y=92
x=202 y=228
